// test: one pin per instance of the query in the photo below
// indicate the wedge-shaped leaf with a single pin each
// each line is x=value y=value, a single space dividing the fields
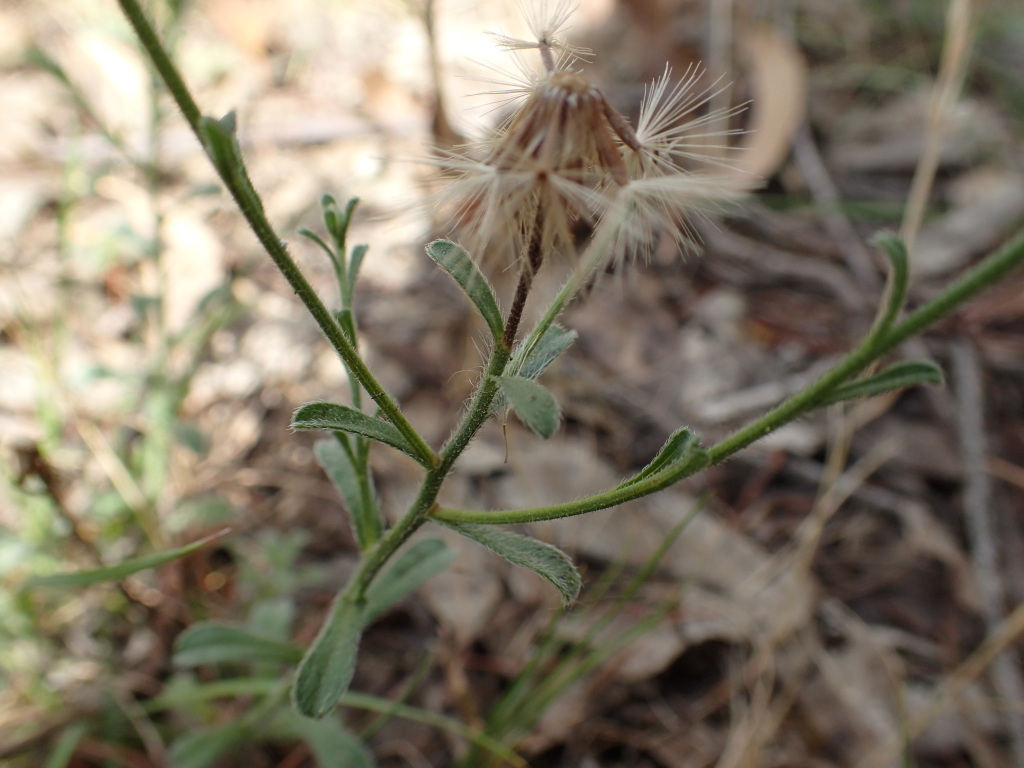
x=543 y=559
x=681 y=448
x=896 y=376
x=354 y=422
x=899 y=276
x=552 y=343
x=119 y=571
x=327 y=668
x=337 y=462
x=210 y=642
x=533 y=404
x=414 y=565
x=456 y=261
x=332 y=745
x=202 y=747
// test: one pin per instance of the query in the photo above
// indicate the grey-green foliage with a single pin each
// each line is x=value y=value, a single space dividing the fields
x=534 y=405
x=327 y=668
x=348 y=472
x=459 y=265
x=342 y=418
x=544 y=559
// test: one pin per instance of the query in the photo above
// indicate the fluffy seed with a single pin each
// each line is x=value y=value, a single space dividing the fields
x=566 y=161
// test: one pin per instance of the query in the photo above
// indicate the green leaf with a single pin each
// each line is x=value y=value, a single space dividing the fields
x=343 y=418
x=272 y=618
x=682 y=447
x=209 y=642
x=355 y=261
x=327 y=668
x=896 y=376
x=63 y=749
x=532 y=403
x=184 y=692
x=347 y=322
x=40 y=59
x=332 y=745
x=540 y=557
x=552 y=343
x=310 y=234
x=337 y=221
x=899 y=276
x=221 y=142
x=456 y=261
x=220 y=139
x=338 y=464
x=200 y=748
x=119 y=571
x=414 y=565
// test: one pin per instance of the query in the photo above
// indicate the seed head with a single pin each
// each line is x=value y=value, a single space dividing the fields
x=565 y=161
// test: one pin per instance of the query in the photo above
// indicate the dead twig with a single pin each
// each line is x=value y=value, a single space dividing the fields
x=981 y=531
x=858 y=259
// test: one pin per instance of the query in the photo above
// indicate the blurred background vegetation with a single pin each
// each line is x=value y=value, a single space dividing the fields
x=821 y=609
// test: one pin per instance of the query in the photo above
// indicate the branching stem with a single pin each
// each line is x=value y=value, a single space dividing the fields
x=875 y=346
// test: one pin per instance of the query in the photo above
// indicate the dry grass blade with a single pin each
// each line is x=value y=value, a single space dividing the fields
x=955 y=55
x=951 y=689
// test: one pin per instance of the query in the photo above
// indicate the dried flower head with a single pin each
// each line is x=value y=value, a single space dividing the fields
x=565 y=160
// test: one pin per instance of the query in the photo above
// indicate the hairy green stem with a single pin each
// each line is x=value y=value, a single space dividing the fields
x=252 y=210
x=162 y=61
x=376 y=557
x=594 y=257
x=874 y=347
x=611 y=498
x=424 y=506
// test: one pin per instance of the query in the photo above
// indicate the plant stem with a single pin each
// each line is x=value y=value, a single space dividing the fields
x=534 y=258
x=611 y=498
x=874 y=347
x=252 y=210
x=871 y=349
x=593 y=258
x=425 y=504
x=162 y=61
